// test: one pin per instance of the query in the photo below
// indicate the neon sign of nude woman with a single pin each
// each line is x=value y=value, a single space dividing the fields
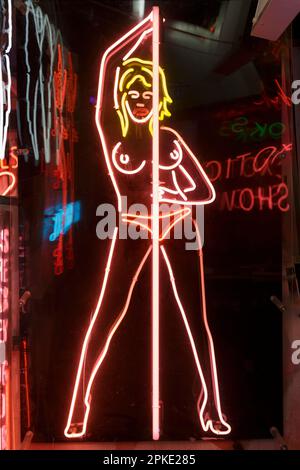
x=129 y=114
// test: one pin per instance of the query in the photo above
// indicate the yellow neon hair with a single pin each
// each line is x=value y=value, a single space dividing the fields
x=136 y=71
x=123 y=78
x=123 y=116
x=138 y=77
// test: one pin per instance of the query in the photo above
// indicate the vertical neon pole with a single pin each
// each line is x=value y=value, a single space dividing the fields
x=155 y=228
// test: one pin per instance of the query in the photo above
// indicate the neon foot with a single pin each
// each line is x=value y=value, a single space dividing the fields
x=75 y=430
x=221 y=428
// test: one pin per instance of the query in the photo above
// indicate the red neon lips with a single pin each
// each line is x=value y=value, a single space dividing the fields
x=140 y=112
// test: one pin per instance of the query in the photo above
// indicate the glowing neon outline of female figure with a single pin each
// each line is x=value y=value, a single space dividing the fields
x=183 y=177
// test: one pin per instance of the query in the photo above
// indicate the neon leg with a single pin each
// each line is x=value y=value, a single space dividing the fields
x=108 y=337
x=191 y=339
x=210 y=340
x=206 y=424
x=112 y=331
x=87 y=336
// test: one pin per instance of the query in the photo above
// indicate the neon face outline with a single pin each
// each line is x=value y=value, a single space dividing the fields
x=140 y=113
x=128 y=78
x=182 y=158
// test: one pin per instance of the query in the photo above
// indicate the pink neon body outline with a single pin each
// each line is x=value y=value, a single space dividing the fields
x=212 y=197
x=126 y=172
x=85 y=343
x=154 y=16
x=131 y=51
x=178 y=159
x=104 y=60
x=180 y=193
x=188 y=176
x=167 y=190
x=116 y=84
x=182 y=214
x=163 y=216
x=178 y=190
x=208 y=424
x=87 y=397
x=211 y=343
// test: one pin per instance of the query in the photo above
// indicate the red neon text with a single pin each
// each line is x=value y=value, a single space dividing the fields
x=277 y=100
x=260 y=198
x=264 y=162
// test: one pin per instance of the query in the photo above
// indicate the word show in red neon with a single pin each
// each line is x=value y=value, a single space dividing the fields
x=133 y=90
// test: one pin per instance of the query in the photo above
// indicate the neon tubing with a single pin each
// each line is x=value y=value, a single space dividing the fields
x=124 y=106
x=163 y=216
x=188 y=176
x=123 y=117
x=116 y=88
x=206 y=425
x=138 y=77
x=211 y=343
x=177 y=186
x=175 y=155
x=145 y=33
x=43 y=28
x=167 y=190
x=5 y=89
x=86 y=339
x=110 y=336
x=126 y=172
x=137 y=120
x=123 y=77
x=155 y=229
x=190 y=154
x=87 y=397
x=11 y=186
x=113 y=48
x=178 y=216
x=192 y=342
